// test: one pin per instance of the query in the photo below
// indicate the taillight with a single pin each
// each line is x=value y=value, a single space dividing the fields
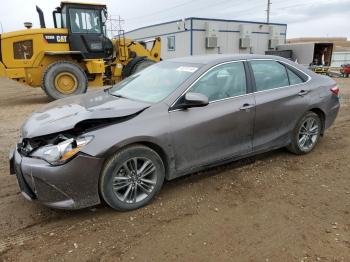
x=335 y=90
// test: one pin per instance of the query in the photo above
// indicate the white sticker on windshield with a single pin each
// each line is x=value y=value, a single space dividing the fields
x=187 y=69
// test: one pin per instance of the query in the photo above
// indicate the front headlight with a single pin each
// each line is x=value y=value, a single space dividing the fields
x=60 y=153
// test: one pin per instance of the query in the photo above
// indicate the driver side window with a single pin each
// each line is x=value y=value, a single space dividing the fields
x=223 y=81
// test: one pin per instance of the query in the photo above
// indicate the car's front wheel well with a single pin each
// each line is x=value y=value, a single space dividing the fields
x=322 y=117
x=160 y=151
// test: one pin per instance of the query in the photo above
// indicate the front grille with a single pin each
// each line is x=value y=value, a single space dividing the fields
x=24 y=148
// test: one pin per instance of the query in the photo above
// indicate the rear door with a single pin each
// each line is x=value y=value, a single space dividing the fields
x=220 y=130
x=281 y=97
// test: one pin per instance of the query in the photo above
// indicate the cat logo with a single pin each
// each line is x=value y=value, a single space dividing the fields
x=56 y=39
x=61 y=38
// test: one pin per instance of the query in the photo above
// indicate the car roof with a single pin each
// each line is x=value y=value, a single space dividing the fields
x=218 y=58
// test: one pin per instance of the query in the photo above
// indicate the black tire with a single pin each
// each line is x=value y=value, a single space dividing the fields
x=62 y=67
x=112 y=170
x=141 y=65
x=295 y=146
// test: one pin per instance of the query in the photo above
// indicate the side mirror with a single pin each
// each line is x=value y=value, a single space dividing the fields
x=192 y=100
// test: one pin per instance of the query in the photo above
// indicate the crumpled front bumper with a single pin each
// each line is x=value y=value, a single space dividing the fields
x=73 y=185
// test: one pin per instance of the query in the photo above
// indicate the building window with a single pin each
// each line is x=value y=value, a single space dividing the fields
x=171 y=43
x=23 y=49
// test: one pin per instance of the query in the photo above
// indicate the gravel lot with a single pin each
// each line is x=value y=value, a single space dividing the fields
x=273 y=207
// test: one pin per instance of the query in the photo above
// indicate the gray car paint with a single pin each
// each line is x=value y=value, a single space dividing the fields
x=187 y=140
x=64 y=114
x=193 y=130
x=70 y=186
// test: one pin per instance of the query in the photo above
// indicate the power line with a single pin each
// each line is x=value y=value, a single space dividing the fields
x=276 y=7
x=304 y=3
x=163 y=10
x=245 y=11
x=201 y=8
x=217 y=3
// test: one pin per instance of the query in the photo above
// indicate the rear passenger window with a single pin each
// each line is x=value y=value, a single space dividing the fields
x=294 y=79
x=269 y=74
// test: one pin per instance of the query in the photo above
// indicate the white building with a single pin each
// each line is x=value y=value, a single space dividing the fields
x=340 y=58
x=196 y=36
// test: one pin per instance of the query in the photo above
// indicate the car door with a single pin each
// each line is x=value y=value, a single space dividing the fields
x=281 y=98
x=220 y=130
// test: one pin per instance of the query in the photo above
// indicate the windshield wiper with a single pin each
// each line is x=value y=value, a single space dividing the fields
x=114 y=94
x=117 y=95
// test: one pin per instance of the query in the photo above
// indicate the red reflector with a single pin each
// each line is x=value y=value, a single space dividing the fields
x=335 y=90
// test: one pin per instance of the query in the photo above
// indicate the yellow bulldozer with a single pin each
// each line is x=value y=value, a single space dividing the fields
x=77 y=53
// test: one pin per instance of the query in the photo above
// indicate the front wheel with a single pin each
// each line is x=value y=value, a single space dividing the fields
x=63 y=79
x=131 y=178
x=141 y=65
x=306 y=134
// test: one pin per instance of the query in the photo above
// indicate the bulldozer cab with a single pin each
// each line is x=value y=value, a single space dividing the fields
x=86 y=28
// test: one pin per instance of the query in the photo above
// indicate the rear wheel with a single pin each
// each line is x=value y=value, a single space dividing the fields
x=142 y=65
x=306 y=134
x=63 y=79
x=131 y=178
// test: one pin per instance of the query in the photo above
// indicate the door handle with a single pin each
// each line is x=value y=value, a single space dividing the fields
x=303 y=92
x=246 y=107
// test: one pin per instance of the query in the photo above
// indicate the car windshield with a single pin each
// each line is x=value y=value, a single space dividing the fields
x=154 y=83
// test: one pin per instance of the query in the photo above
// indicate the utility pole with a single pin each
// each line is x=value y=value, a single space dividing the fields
x=2 y=29
x=268 y=11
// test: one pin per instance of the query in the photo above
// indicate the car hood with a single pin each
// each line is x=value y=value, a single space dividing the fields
x=65 y=114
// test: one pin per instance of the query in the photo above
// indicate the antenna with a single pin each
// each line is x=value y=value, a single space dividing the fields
x=268 y=11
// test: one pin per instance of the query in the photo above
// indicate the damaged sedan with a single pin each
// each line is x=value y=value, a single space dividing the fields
x=176 y=117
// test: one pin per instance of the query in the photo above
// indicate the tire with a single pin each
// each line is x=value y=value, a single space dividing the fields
x=141 y=65
x=117 y=180
x=71 y=77
x=305 y=137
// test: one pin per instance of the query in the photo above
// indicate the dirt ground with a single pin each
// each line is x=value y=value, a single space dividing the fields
x=273 y=207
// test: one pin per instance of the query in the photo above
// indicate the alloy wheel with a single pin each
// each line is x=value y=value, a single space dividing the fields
x=134 y=180
x=308 y=134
